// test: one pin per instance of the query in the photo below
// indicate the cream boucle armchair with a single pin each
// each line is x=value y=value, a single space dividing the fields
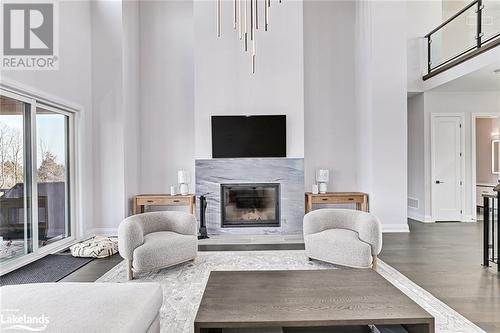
x=156 y=240
x=343 y=236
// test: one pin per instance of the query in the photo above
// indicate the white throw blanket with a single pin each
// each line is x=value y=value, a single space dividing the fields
x=96 y=247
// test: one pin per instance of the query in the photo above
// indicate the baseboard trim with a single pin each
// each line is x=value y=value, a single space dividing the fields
x=395 y=228
x=419 y=217
x=469 y=219
x=416 y=216
x=102 y=232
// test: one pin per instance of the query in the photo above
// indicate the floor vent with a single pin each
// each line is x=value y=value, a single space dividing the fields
x=413 y=203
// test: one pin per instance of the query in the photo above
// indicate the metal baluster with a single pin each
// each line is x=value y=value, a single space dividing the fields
x=492 y=230
x=498 y=231
x=479 y=23
x=429 y=62
x=486 y=231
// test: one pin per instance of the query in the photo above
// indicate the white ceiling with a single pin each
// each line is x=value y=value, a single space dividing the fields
x=483 y=79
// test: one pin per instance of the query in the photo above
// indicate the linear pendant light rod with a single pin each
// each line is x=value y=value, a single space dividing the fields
x=239 y=20
x=254 y=26
x=234 y=14
x=256 y=15
x=251 y=19
x=245 y=24
x=241 y=24
x=266 y=15
x=218 y=18
x=253 y=59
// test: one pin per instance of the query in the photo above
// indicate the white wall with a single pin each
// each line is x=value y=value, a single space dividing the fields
x=416 y=157
x=166 y=93
x=467 y=102
x=458 y=102
x=224 y=83
x=72 y=82
x=301 y=72
x=108 y=121
x=381 y=109
x=169 y=51
x=423 y=16
x=131 y=99
x=329 y=118
x=363 y=87
x=97 y=71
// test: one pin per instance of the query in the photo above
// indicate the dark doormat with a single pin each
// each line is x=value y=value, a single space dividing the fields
x=50 y=268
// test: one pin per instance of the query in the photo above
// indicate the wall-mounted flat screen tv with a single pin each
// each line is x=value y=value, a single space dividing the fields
x=248 y=136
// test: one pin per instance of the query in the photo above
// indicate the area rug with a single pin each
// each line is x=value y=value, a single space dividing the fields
x=51 y=268
x=183 y=285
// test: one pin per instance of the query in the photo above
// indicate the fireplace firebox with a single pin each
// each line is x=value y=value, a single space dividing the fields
x=250 y=205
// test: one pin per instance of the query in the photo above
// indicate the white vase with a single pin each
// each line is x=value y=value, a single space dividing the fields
x=184 y=189
x=322 y=188
x=315 y=189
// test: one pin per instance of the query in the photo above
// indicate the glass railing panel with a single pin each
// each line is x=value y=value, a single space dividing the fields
x=490 y=18
x=454 y=39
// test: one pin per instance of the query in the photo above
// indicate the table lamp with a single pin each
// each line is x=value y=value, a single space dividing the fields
x=322 y=178
x=183 y=180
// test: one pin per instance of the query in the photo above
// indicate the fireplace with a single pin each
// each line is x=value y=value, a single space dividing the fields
x=250 y=205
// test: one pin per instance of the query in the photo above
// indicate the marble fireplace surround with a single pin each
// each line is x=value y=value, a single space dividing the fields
x=288 y=172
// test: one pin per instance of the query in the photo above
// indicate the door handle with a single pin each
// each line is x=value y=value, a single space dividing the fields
x=439 y=182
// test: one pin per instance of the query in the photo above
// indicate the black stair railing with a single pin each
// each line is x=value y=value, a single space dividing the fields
x=471 y=31
x=491 y=233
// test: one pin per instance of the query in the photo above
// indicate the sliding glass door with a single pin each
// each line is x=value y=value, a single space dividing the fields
x=15 y=181
x=52 y=175
x=35 y=183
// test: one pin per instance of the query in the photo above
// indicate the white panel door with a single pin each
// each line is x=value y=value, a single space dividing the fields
x=447 y=168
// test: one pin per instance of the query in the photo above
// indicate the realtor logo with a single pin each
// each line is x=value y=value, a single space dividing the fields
x=29 y=38
x=15 y=320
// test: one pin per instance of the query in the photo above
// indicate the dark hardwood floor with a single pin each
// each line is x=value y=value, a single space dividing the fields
x=443 y=258
x=93 y=270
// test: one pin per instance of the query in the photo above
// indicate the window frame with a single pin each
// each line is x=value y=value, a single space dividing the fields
x=52 y=104
x=70 y=160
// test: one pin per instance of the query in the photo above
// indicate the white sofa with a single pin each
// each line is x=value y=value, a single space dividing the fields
x=343 y=236
x=85 y=307
x=157 y=240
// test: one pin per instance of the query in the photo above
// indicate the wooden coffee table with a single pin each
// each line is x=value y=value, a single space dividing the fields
x=341 y=298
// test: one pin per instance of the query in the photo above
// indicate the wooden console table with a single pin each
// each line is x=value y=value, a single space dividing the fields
x=143 y=200
x=359 y=198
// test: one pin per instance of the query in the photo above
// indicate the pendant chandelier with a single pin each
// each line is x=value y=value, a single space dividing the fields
x=245 y=12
